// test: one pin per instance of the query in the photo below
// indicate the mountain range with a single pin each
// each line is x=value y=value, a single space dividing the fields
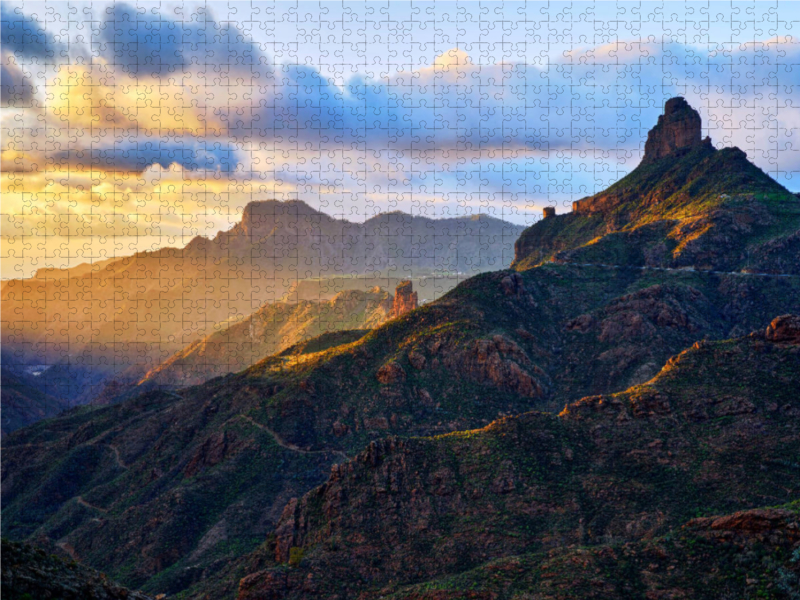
x=94 y=323
x=613 y=416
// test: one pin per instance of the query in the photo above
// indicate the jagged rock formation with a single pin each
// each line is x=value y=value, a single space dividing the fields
x=195 y=479
x=30 y=573
x=677 y=132
x=189 y=486
x=686 y=205
x=405 y=299
x=785 y=329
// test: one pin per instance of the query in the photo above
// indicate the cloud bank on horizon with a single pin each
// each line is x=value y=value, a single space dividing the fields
x=130 y=125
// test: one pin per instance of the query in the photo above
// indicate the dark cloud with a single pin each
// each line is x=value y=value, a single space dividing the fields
x=15 y=88
x=146 y=43
x=24 y=36
x=191 y=155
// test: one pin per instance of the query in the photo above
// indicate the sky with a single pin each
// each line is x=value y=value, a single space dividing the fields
x=133 y=126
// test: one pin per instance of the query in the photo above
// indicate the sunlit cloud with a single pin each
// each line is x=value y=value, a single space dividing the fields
x=151 y=125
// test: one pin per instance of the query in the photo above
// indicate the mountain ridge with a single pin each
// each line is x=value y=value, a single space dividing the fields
x=191 y=485
x=607 y=466
x=685 y=204
x=141 y=309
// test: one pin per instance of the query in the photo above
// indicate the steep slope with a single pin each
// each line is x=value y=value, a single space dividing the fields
x=165 y=489
x=686 y=205
x=749 y=554
x=23 y=402
x=714 y=432
x=30 y=573
x=272 y=328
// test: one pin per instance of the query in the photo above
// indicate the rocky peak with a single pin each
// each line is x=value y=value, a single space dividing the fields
x=677 y=130
x=262 y=216
x=405 y=299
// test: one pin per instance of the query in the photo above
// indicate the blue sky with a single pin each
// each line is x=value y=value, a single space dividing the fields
x=124 y=109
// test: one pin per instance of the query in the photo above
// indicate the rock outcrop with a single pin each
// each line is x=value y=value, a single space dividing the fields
x=405 y=299
x=686 y=204
x=677 y=130
x=784 y=329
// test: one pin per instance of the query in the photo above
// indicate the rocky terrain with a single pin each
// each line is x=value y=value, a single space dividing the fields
x=714 y=432
x=29 y=573
x=749 y=554
x=427 y=451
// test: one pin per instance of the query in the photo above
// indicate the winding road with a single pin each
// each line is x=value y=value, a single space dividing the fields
x=290 y=446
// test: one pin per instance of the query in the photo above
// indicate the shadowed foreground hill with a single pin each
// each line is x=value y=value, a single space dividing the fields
x=748 y=554
x=31 y=574
x=163 y=490
x=713 y=433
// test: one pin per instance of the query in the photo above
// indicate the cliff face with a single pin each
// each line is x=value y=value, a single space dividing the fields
x=708 y=435
x=405 y=299
x=190 y=486
x=199 y=477
x=677 y=131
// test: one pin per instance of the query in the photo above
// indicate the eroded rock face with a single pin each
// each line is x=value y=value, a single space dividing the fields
x=405 y=299
x=784 y=329
x=677 y=129
x=502 y=362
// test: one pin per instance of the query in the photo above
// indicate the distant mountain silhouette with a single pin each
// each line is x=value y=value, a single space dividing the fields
x=96 y=321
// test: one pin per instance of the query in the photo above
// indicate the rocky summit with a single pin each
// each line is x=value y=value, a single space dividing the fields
x=615 y=416
x=686 y=205
x=677 y=132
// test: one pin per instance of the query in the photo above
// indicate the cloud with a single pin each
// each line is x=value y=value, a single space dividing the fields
x=25 y=37
x=144 y=42
x=137 y=156
x=15 y=87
